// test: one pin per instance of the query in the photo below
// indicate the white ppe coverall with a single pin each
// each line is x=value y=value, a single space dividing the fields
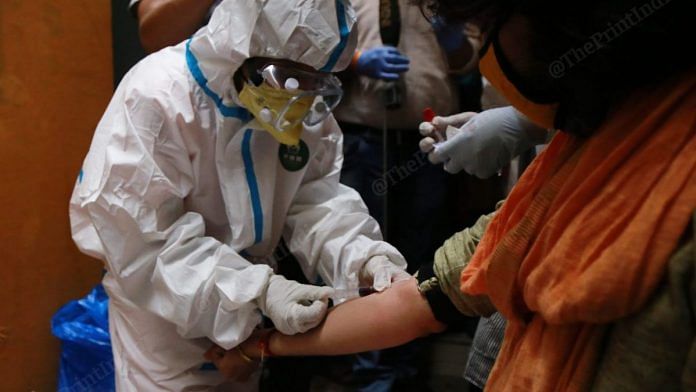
x=185 y=201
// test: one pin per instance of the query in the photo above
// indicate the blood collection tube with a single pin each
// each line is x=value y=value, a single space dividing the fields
x=428 y=114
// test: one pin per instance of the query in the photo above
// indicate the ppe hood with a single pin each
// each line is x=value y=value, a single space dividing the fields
x=317 y=33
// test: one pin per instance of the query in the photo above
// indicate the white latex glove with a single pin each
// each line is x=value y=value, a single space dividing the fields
x=479 y=143
x=436 y=129
x=381 y=272
x=294 y=307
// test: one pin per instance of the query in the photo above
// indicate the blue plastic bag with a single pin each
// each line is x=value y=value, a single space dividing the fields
x=86 y=361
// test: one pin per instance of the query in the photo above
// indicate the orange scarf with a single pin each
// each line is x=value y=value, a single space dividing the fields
x=584 y=238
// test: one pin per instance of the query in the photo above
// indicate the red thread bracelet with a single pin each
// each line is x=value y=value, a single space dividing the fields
x=356 y=57
x=264 y=345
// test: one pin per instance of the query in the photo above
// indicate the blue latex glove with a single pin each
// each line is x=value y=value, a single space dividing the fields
x=450 y=36
x=382 y=62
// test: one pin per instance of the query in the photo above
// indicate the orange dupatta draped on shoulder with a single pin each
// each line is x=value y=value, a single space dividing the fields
x=585 y=236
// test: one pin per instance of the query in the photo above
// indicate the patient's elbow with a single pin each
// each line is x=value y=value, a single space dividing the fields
x=419 y=315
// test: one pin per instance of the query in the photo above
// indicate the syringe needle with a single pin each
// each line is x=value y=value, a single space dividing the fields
x=340 y=295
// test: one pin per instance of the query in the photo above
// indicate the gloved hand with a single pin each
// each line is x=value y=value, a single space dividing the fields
x=436 y=130
x=382 y=62
x=294 y=307
x=450 y=36
x=479 y=143
x=381 y=272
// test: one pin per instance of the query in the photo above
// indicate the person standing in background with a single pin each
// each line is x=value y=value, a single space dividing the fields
x=399 y=69
x=386 y=89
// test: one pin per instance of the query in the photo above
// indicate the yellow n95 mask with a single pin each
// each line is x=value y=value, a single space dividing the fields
x=284 y=99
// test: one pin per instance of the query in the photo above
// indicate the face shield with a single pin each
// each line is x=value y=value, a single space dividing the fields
x=285 y=97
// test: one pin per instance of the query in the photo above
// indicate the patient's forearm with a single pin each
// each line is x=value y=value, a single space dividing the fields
x=396 y=316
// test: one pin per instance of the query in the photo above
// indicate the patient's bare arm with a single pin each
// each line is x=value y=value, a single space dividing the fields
x=391 y=318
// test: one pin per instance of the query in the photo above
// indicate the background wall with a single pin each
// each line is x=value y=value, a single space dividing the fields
x=55 y=81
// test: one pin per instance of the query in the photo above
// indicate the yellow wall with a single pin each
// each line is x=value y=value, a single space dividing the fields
x=55 y=81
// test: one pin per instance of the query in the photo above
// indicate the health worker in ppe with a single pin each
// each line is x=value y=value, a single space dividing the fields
x=209 y=152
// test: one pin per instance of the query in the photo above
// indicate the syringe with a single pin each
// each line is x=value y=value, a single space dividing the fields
x=341 y=295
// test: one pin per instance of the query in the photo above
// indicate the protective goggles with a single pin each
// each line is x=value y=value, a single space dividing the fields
x=311 y=96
